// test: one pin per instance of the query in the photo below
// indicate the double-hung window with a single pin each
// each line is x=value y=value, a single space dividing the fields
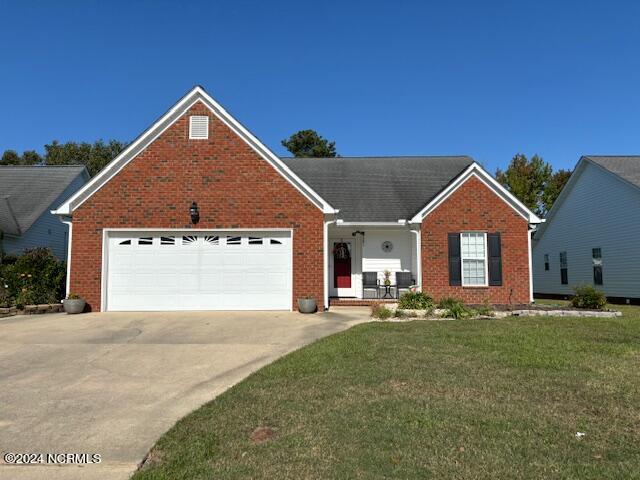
x=564 y=271
x=473 y=253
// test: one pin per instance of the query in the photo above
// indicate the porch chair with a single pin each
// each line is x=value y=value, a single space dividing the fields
x=403 y=282
x=370 y=282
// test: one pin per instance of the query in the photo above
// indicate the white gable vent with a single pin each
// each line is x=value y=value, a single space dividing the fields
x=199 y=127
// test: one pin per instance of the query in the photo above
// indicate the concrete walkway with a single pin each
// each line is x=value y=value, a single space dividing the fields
x=112 y=383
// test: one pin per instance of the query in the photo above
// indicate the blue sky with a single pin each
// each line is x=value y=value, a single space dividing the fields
x=487 y=79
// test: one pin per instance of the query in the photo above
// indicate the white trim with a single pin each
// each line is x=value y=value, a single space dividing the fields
x=68 y=223
x=342 y=223
x=325 y=252
x=530 y=232
x=104 y=271
x=477 y=171
x=160 y=229
x=197 y=94
x=418 y=233
x=486 y=261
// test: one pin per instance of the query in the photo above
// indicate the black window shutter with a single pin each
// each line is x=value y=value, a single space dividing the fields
x=455 y=268
x=495 y=259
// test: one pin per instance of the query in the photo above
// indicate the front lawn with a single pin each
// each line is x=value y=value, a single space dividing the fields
x=465 y=399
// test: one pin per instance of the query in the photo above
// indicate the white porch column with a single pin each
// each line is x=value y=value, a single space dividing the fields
x=418 y=272
x=325 y=254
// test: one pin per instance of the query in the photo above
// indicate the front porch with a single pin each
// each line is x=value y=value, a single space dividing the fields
x=360 y=254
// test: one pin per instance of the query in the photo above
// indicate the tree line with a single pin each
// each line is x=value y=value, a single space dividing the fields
x=94 y=155
x=533 y=181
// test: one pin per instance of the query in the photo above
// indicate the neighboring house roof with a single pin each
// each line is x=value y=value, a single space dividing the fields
x=382 y=189
x=27 y=191
x=196 y=94
x=626 y=167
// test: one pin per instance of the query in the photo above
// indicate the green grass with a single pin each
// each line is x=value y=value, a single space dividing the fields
x=463 y=399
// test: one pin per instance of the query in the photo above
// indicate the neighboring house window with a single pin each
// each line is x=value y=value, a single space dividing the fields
x=596 y=253
x=564 y=276
x=199 y=127
x=546 y=262
x=473 y=254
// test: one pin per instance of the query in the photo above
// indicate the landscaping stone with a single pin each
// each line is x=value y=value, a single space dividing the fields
x=31 y=310
x=437 y=314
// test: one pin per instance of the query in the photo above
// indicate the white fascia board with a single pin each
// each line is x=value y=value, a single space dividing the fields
x=477 y=171
x=168 y=119
x=399 y=223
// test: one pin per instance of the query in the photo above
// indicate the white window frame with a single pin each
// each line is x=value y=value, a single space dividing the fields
x=486 y=261
x=191 y=118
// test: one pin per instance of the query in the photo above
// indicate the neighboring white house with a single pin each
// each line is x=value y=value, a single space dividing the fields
x=592 y=233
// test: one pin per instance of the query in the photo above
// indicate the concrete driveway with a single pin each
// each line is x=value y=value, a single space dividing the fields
x=112 y=383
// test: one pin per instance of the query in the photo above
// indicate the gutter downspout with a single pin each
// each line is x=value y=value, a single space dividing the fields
x=530 y=231
x=67 y=221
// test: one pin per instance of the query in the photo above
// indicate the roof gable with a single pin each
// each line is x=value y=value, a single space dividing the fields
x=475 y=170
x=28 y=191
x=197 y=94
x=624 y=168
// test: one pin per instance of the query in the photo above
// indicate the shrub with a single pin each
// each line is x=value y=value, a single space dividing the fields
x=416 y=301
x=399 y=313
x=458 y=311
x=35 y=277
x=380 y=311
x=455 y=308
x=588 y=297
x=448 y=302
x=485 y=309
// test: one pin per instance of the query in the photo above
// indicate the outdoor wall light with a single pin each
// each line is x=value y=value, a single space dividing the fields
x=195 y=214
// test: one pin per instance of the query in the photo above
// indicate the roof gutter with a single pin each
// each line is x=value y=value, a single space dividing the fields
x=342 y=223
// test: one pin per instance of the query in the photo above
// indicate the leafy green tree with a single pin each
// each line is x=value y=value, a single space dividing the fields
x=554 y=186
x=527 y=180
x=307 y=143
x=92 y=155
x=10 y=157
x=31 y=157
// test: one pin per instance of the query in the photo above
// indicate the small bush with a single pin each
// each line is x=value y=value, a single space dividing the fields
x=399 y=313
x=380 y=311
x=458 y=311
x=485 y=309
x=416 y=301
x=588 y=297
x=448 y=302
x=455 y=308
x=35 y=277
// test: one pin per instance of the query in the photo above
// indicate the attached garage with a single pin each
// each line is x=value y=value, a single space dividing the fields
x=197 y=270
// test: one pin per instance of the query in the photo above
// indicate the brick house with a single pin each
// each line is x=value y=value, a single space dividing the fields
x=198 y=214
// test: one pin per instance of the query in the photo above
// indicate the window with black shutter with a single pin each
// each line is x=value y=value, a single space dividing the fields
x=455 y=271
x=495 y=259
x=564 y=274
x=596 y=254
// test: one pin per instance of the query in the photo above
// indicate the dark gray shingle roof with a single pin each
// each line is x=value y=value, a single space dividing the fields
x=27 y=191
x=627 y=167
x=378 y=189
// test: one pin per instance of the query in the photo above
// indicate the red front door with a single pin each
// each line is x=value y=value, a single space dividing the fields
x=341 y=270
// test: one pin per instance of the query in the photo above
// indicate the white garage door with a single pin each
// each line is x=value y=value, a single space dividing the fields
x=217 y=270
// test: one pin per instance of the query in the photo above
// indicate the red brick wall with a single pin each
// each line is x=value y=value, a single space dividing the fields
x=233 y=186
x=475 y=207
